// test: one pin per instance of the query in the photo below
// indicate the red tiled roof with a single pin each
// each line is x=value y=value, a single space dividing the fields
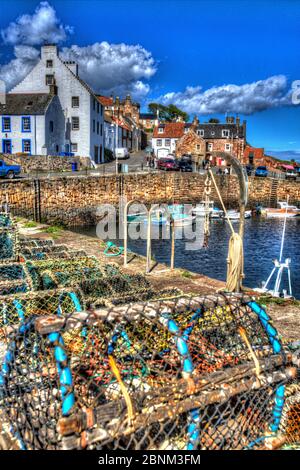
x=105 y=100
x=172 y=130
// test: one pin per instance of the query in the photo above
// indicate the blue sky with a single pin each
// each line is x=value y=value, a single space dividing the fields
x=203 y=45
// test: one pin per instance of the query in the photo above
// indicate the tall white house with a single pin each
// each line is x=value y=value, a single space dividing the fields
x=83 y=114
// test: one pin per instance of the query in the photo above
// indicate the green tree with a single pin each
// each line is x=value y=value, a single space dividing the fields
x=214 y=121
x=167 y=113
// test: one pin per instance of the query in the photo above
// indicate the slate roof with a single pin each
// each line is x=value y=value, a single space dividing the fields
x=18 y=104
x=211 y=130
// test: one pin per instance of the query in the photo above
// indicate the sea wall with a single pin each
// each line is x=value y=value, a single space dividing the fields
x=73 y=200
x=45 y=163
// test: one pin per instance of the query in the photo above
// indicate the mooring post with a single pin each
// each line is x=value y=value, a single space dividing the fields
x=148 y=259
x=172 y=242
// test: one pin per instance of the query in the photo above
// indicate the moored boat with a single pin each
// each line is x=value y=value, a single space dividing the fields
x=284 y=210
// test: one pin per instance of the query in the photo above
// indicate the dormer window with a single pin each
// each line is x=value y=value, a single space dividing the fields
x=186 y=129
x=225 y=133
x=160 y=130
x=212 y=133
x=200 y=132
x=49 y=64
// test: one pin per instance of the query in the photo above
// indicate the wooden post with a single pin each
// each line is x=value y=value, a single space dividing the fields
x=148 y=260
x=172 y=242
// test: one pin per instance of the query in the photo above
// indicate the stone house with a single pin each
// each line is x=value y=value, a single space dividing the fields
x=218 y=137
x=191 y=143
x=148 y=120
x=83 y=114
x=32 y=124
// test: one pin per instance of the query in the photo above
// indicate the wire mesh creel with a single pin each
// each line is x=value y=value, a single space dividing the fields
x=185 y=373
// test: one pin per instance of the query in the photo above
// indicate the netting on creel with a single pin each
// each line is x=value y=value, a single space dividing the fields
x=184 y=373
x=8 y=239
x=41 y=249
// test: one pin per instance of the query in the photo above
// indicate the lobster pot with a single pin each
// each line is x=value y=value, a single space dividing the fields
x=183 y=373
x=7 y=243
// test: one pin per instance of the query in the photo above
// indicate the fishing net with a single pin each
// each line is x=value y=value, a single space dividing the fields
x=183 y=373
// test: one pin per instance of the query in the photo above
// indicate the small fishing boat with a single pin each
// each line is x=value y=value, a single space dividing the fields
x=284 y=210
x=235 y=215
x=182 y=220
x=214 y=212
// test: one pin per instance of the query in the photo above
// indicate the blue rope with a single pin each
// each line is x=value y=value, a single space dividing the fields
x=276 y=346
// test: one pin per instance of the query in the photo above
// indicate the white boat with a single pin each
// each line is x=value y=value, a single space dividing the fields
x=200 y=210
x=284 y=210
x=235 y=215
x=182 y=220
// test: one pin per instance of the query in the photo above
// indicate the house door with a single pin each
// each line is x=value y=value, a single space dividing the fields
x=6 y=146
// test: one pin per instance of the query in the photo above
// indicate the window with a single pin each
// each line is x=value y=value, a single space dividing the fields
x=159 y=142
x=26 y=124
x=167 y=142
x=74 y=147
x=98 y=107
x=94 y=104
x=49 y=79
x=225 y=133
x=94 y=125
x=227 y=147
x=101 y=133
x=160 y=130
x=51 y=126
x=6 y=124
x=97 y=127
x=49 y=64
x=101 y=110
x=198 y=146
x=75 y=101
x=186 y=129
x=75 y=123
x=26 y=146
x=200 y=132
x=209 y=147
x=57 y=148
x=212 y=133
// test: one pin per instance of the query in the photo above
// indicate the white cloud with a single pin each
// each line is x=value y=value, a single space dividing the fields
x=42 y=26
x=107 y=68
x=118 y=68
x=243 y=99
x=25 y=59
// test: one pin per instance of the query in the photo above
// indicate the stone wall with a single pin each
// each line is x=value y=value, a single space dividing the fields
x=73 y=200
x=30 y=163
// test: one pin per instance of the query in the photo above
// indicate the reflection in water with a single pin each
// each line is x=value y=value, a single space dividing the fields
x=261 y=245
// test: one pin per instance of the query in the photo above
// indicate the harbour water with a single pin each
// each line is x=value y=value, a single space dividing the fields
x=261 y=246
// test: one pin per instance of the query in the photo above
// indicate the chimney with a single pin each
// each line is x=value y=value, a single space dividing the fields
x=49 y=51
x=195 y=123
x=238 y=121
x=229 y=119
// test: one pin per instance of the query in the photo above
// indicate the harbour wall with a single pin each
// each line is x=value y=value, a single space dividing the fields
x=73 y=200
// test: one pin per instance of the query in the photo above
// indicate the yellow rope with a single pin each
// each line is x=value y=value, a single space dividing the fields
x=115 y=371
x=235 y=260
x=243 y=335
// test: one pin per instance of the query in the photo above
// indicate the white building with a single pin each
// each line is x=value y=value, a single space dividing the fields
x=83 y=114
x=165 y=136
x=32 y=124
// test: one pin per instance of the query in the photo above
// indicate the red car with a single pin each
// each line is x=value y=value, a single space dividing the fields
x=167 y=164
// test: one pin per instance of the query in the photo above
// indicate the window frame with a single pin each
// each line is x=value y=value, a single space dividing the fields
x=47 y=76
x=72 y=150
x=22 y=123
x=49 y=61
x=227 y=132
x=3 y=120
x=23 y=146
x=72 y=123
x=72 y=104
x=159 y=143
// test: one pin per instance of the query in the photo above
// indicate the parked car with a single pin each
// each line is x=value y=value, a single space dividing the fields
x=261 y=171
x=121 y=153
x=9 y=171
x=185 y=165
x=167 y=164
x=290 y=175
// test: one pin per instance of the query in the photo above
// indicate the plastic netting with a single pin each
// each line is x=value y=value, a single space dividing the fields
x=173 y=374
x=87 y=363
